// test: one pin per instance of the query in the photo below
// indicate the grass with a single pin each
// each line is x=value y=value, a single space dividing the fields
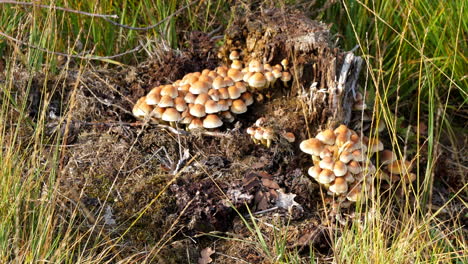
x=415 y=53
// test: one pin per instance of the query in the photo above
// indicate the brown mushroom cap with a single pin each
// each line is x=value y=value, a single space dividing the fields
x=226 y=115
x=166 y=101
x=255 y=66
x=197 y=110
x=238 y=106
x=235 y=75
x=277 y=73
x=247 y=76
x=289 y=137
x=268 y=133
x=153 y=98
x=199 y=87
x=312 y=146
x=169 y=90
x=387 y=157
x=141 y=108
x=346 y=156
x=355 y=194
x=257 y=80
x=241 y=86
x=339 y=186
x=399 y=167
x=202 y=98
x=211 y=107
x=314 y=171
x=285 y=76
x=171 y=115
x=358 y=155
x=186 y=117
x=228 y=81
x=236 y=64
x=195 y=124
x=234 y=92
x=354 y=167
x=234 y=55
x=327 y=137
x=327 y=163
x=248 y=98
x=212 y=121
x=158 y=112
x=375 y=145
x=218 y=82
x=190 y=98
x=223 y=105
x=214 y=94
x=325 y=177
x=340 y=168
x=180 y=104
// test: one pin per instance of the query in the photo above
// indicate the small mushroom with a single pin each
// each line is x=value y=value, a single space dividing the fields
x=212 y=121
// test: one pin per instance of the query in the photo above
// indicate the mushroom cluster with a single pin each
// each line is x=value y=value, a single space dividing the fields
x=262 y=134
x=207 y=99
x=341 y=162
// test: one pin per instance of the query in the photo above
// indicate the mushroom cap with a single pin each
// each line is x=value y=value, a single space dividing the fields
x=222 y=71
x=234 y=92
x=235 y=74
x=190 y=98
x=359 y=106
x=346 y=156
x=212 y=121
x=223 y=93
x=169 y=90
x=236 y=64
x=214 y=94
x=408 y=178
x=152 y=98
x=205 y=78
x=285 y=76
x=327 y=163
x=325 y=177
x=238 y=107
x=228 y=81
x=387 y=157
x=156 y=90
x=268 y=133
x=259 y=122
x=358 y=155
x=186 y=117
x=258 y=133
x=277 y=73
x=226 y=115
x=199 y=87
x=399 y=167
x=223 y=105
x=250 y=131
x=185 y=87
x=141 y=108
x=349 y=177
x=234 y=55
x=197 y=110
x=255 y=66
x=312 y=146
x=285 y=63
x=341 y=129
x=269 y=77
x=218 y=82
x=340 y=168
x=241 y=86
x=202 y=98
x=171 y=115
x=195 y=124
x=327 y=137
x=166 y=101
x=257 y=80
x=355 y=194
x=247 y=76
x=248 y=98
x=375 y=145
x=339 y=186
x=211 y=107
x=289 y=137
x=158 y=112
x=342 y=138
x=205 y=72
x=326 y=152
x=267 y=67
x=314 y=171
x=354 y=167
x=180 y=104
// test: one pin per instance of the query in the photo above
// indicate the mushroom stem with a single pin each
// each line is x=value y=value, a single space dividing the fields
x=285 y=83
x=268 y=144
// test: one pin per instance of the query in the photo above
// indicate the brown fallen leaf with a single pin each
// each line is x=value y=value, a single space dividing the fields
x=270 y=184
x=206 y=256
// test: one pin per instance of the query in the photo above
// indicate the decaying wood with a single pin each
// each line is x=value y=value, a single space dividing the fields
x=319 y=68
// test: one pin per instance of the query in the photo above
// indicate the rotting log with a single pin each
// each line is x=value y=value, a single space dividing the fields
x=325 y=75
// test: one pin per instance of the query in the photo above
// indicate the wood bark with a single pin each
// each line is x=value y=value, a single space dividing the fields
x=325 y=75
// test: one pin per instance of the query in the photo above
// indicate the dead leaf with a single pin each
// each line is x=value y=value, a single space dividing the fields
x=270 y=184
x=286 y=201
x=206 y=256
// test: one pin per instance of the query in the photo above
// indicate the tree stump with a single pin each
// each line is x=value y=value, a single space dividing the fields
x=322 y=73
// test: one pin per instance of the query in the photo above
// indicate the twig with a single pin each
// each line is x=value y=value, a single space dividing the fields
x=58 y=8
x=79 y=56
